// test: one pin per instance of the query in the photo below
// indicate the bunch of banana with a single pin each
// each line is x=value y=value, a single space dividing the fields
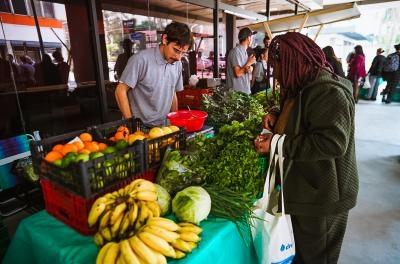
x=121 y=213
x=153 y=243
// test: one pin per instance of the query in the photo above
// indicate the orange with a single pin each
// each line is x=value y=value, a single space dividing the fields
x=85 y=151
x=124 y=130
x=140 y=133
x=119 y=135
x=102 y=146
x=156 y=132
x=79 y=145
x=58 y=147
x=112 y=138
x=69 y=148
x=92 y=147
x=85 y=137
x=53 y=156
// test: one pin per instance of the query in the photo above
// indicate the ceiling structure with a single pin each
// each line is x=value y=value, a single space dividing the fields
x=200 y=11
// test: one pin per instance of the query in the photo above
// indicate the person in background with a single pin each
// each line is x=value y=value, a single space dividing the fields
x=148 y=85
x=266 y=41
x=26 y=71
x=357 y=70
x=259 y=81
x=14 y=65
x=317 y=116
x=391 y=74
x=123 y=58
x=375 y=74
x=333 y=61
x=62 y=67
x=46 y=72
x=239 y=69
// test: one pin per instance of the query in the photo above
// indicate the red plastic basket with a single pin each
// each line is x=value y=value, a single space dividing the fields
x=72 y=209
x=191 y=120
x=191 y=97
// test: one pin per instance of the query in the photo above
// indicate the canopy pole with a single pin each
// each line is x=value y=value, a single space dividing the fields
x=304 y=22
x=319 y=31
x=267 y=29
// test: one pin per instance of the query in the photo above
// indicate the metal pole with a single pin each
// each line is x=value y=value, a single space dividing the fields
x=38 y=29
x=268 y=9
x=14 y=84
x=216 y=24
x=100 y=83
x=296 y=9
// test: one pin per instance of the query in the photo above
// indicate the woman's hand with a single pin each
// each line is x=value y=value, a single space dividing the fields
x=262 y=143
x=269 y=121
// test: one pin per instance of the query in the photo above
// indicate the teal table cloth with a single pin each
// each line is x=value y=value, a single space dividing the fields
x=43 y=239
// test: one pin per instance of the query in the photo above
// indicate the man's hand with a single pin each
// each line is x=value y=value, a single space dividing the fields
x=269 y=121
x=251 y=60
x=263 y=143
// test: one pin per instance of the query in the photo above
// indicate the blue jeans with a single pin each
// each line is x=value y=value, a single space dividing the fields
x=374 y=81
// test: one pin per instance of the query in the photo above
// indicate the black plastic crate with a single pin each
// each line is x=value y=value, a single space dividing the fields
x=153 y=148
x=86 y=179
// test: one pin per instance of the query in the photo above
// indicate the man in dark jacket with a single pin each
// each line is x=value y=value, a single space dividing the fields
x=392 y=78
x=375 y=74
x=317 y=116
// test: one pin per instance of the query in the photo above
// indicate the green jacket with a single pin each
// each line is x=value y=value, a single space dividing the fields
x=323 y=179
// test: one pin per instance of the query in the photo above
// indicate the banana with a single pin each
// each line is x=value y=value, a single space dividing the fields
x=115 y=227
x=102 y=253
x=106 y=233
x=119 y=209
x=190 y=228
x=144 y=212
x=97 y=209
x=110 y=196
x=189 y=237
x=154 y=208
x=98 y=239
x=156 y=243
x=164 y=223
x=124 y=224
x=168 y=236
x=182 y=245
x=112 y=253
x=145 y=195
x=193 y=245
x=120 y=260
x=142 y=250
x=179 y=254
x=121 y=192
x=161 y=259
x=140 y=185
x=127 y=253
x=133 y=213
x=105 y=219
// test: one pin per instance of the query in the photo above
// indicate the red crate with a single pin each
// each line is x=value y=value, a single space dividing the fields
x=191 y=97
x=72 y=209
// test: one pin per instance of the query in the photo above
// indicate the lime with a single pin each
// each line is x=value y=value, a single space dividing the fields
x=121 y=144
x=109 y=150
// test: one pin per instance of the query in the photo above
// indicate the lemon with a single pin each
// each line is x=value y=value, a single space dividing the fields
x=174 y=128
x=156 y=132
x=167 y=130
x=133 y=137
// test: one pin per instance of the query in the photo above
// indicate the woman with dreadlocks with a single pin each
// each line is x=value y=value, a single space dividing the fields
x=317 y=117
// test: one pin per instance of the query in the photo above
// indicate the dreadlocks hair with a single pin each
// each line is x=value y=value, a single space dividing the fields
x=299 y=59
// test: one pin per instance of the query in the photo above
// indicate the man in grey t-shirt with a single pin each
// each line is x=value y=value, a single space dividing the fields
x=149 y=83
x=238 y=69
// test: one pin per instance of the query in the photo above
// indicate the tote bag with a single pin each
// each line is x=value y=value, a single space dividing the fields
x=272 y=230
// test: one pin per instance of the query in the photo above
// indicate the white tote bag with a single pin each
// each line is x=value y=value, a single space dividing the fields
x=272 y=232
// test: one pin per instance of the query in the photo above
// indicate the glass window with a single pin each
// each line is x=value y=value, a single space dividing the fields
x=48 y=9
x=5 y=6
x=19 y=7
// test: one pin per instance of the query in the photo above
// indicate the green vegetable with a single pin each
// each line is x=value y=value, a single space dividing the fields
x=192 y=204
x=269 y=100
x=225 y=106
x=163 y=199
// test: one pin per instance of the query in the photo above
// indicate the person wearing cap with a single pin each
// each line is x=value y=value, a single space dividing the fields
x=239 y=69
x=375 y=74
x=148 y=85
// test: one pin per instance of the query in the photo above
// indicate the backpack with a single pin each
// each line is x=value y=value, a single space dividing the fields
x=392 y=63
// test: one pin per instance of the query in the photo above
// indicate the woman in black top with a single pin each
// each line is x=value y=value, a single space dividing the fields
x=333 y=61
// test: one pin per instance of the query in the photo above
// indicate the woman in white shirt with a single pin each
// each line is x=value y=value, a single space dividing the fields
x=259 y=81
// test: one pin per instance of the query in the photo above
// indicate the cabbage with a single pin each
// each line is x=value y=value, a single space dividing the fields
x=163 y=199
x=192 y=204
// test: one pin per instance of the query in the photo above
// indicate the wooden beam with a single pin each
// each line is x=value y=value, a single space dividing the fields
x=267 y=29
x=319 y=31
x=304 y=22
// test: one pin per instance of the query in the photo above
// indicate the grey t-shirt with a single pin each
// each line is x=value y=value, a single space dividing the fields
x=237 y=57
x=153 y=83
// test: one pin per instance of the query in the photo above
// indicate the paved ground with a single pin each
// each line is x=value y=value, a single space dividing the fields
x=373 y=233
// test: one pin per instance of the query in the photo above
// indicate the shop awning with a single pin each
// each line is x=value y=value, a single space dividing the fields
x=310 y=19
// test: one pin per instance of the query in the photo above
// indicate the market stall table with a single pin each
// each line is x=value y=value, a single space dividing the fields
x=41 y=238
